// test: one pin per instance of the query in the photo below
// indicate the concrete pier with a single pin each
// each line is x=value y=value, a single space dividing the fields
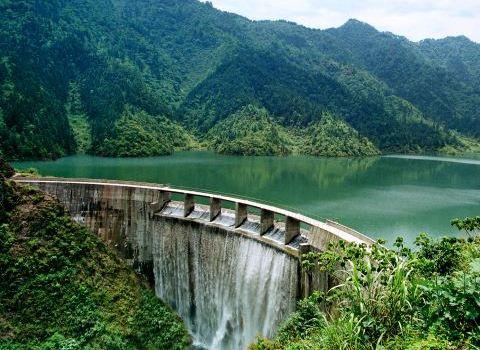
x=241 y=213
x=266 y=221
x=215 y=208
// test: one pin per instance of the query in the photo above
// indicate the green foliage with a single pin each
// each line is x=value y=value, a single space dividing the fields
x=459 y=55
x=249 y=131
x=138 y=134
x=81 y=132
x=62 y=288
x=307 y=318
x=408 y=69
x=453 y=304
x=78 y=119
x=69 y=69
x=441 y=257
x=29 y=172
x=5 y=169
x=335 y=138
x=396 y=299
x=468 y=224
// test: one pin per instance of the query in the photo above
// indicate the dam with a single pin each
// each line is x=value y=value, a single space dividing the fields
x=230 y=267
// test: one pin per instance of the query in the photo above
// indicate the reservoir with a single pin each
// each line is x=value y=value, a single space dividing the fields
x=382 y=197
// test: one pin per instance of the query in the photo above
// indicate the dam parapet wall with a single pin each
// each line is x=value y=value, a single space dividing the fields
x=76 y=194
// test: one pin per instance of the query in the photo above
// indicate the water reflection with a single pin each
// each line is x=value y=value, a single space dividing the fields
x=382 y=196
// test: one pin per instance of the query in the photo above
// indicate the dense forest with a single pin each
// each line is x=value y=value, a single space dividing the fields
x=252 y=131
x=61 y=287
x=75 y=75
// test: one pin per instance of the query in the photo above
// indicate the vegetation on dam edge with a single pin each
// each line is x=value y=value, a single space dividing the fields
x=62 y=288
x=400 y=299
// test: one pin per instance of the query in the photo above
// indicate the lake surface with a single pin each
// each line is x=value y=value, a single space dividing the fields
x=382 y=197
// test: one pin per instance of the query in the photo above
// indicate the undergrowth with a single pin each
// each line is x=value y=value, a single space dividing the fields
x=62 y=288
x=391 y=299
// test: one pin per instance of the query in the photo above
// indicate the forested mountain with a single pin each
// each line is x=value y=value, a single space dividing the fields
x=71 y=69
x=458 y=55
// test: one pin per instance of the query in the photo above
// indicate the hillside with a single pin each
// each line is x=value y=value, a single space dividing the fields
x=69 y=69
x=458 y=55
x=62 y=288
x=137 y=133
x=250 y=131
x=333 y=137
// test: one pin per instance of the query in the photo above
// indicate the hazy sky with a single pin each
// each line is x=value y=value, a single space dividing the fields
x=415 y=19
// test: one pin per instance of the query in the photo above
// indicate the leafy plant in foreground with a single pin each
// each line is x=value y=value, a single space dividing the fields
x=391 y=299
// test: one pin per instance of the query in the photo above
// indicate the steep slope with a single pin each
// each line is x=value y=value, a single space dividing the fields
x=185 y=60
x=62 y=288
x=296 y=95
x=459 y=55
x=436 y=91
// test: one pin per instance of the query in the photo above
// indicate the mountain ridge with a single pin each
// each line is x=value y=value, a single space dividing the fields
x=196 y=65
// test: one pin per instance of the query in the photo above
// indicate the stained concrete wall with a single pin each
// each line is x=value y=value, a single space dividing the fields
x=119 y=215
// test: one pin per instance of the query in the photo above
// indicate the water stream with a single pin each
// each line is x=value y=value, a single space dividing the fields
x=228 y=289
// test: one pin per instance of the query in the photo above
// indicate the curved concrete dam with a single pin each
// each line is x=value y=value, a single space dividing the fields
x=231 y=274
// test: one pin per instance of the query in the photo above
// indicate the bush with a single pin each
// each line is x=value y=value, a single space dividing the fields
x=391 y=299
x=308 y=317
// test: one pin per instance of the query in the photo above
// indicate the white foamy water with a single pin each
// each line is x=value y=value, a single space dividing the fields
x=228 y=289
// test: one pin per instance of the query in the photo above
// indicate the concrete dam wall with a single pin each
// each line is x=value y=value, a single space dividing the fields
x=231 y=274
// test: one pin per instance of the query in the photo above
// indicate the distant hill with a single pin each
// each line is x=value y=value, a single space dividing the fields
x=458 y=55
x=195 y=65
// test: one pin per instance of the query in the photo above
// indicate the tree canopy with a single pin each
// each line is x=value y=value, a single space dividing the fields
x=69 y=69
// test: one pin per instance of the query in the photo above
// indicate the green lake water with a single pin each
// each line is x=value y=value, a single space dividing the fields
x=382 y=197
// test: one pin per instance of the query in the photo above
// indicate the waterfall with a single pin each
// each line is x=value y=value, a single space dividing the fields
x=227 y=288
